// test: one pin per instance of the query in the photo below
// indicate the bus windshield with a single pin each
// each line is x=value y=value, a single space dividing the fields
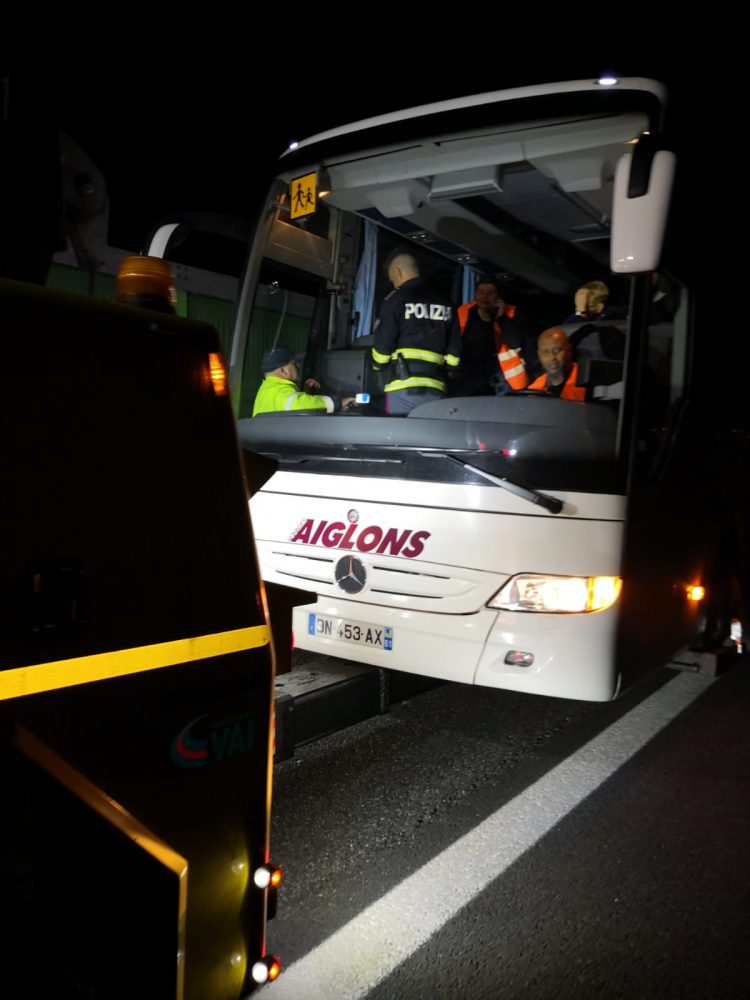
x=505 y=208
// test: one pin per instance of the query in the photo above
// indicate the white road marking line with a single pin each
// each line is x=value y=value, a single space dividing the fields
x=361 y=954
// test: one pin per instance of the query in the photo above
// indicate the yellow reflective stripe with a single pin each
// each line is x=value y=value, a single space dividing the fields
x=290 y=401
x=39 y=677
x=382 y=359
x=419 y=355
x=416 y=382
x=451 y=359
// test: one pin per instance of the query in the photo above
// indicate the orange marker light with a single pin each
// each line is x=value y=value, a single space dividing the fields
x=266 y=969
x=268 y=875
x=696 y=593
x=218 y=373
x=274 y=969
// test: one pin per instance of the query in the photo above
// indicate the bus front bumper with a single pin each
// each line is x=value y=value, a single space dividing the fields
x=573 y=654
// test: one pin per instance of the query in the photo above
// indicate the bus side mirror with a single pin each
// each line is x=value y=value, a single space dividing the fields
x=640 y=202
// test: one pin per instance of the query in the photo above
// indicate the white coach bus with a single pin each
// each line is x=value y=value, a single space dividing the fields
x=519 y=541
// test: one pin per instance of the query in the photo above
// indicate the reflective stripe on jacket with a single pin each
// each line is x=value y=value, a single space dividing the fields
x=569 y=391
x=510 y=360
x=277 y=395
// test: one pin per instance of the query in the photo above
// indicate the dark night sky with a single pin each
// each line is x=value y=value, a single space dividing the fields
x=188 y=140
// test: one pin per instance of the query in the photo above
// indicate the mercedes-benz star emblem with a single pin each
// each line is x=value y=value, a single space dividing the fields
x=350 y=574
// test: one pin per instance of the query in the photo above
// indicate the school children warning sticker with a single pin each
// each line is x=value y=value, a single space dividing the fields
x=303 y=194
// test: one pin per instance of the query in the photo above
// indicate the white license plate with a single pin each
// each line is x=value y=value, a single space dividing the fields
x=374 y=636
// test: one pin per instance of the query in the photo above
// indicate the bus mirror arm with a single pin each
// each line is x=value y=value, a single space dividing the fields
x=552 y=504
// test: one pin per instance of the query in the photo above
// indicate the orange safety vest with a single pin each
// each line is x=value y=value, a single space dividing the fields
x=511 y=363
x=569 y=391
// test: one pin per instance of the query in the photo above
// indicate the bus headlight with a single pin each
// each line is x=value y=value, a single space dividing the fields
x=557 y=594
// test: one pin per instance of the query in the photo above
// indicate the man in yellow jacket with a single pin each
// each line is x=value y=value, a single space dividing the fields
x=279 y=392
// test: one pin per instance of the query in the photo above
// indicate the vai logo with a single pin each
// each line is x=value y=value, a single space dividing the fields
x=201 y=742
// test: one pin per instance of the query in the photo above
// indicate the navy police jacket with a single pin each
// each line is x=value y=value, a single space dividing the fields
x=418 y=336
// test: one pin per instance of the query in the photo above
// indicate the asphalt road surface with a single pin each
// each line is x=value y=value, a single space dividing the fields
x=474 y=843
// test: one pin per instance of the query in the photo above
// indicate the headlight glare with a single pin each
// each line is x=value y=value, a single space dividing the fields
x=557 y=594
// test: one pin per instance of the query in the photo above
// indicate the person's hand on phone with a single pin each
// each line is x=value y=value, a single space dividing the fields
x=311 y=385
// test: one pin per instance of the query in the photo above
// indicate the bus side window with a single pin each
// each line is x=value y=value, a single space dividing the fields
x=663 y=383
x=279 y=316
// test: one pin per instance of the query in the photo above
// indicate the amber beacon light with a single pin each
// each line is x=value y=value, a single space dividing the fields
x=146 y=282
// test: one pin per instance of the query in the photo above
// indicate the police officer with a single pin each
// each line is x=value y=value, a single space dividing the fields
x=417 y=337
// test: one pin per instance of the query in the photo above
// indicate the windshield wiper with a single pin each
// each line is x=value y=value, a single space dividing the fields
x=552 y=504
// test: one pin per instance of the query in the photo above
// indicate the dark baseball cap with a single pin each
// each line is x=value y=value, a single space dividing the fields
x=277 y=357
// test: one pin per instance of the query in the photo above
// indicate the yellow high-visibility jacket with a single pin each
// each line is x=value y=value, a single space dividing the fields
x=280 y=394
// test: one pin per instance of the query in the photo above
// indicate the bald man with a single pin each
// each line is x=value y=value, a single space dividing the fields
x=560 y=372
x=417 y=338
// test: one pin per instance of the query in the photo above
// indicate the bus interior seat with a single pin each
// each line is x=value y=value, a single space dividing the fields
x=599 y=371
x=601 y=377
x=350 y=371
x=603 y=340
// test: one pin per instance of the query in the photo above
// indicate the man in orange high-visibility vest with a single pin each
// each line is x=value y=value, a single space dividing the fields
x=560 y=372
x=491 y=355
